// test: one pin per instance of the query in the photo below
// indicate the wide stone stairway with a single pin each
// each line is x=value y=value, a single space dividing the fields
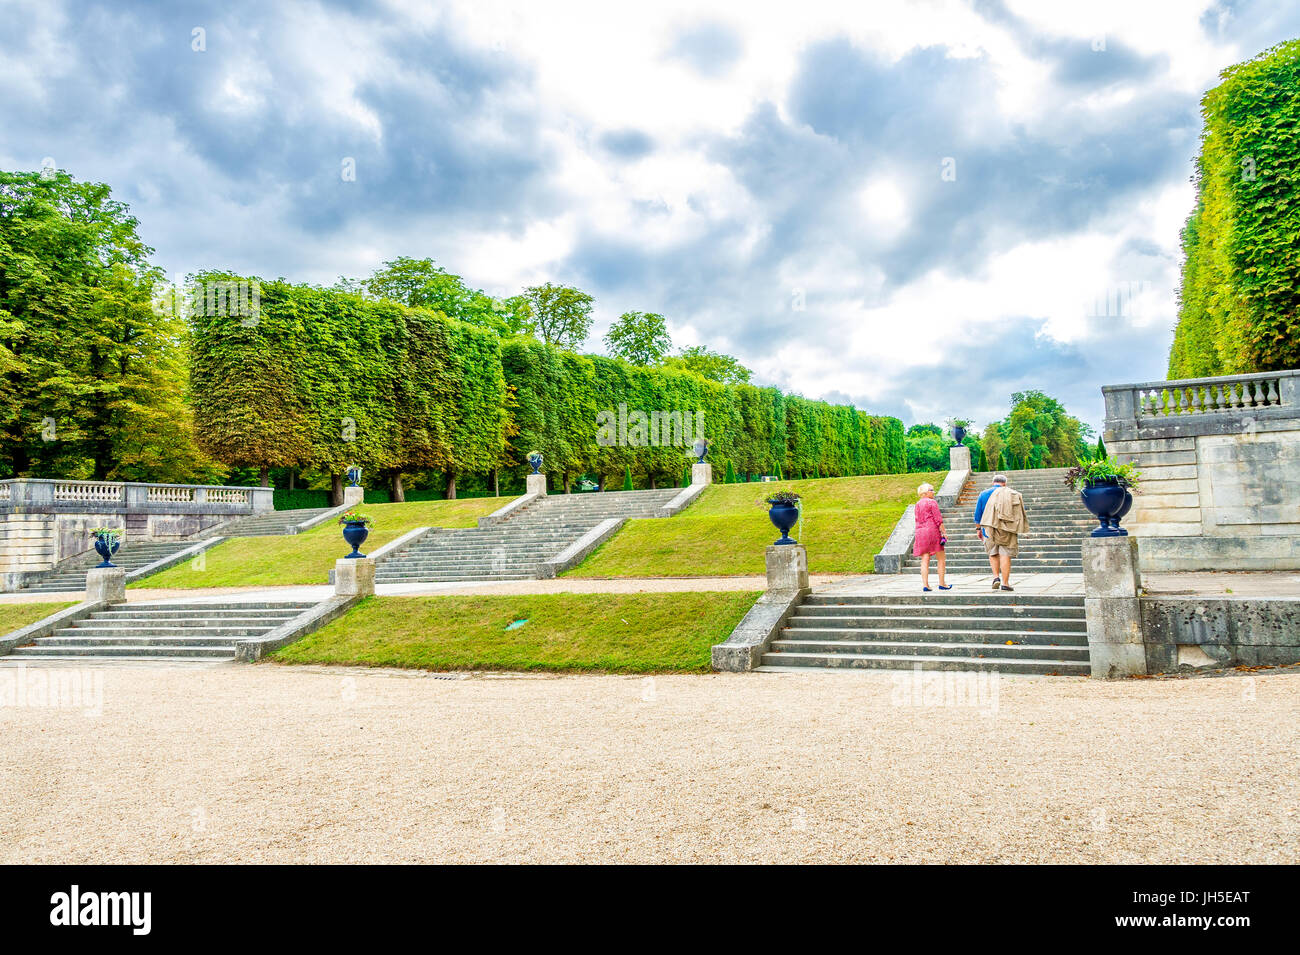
x=131 y=556
x=515 y=548
x=161 y=631
x=1058 y=522
x=1011 y=633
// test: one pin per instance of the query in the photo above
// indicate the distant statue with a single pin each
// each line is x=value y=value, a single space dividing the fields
x=535 y=459
x=354 y=476
x=701 y=449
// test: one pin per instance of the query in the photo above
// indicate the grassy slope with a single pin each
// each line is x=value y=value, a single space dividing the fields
x=630 y=633
x=845 y=522
x=307 y=558
x=13 y=616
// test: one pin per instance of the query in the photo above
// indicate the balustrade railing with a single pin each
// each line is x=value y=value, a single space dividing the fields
x=39 y=494
x=1176 y=406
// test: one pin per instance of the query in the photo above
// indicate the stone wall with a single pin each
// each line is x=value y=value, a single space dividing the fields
x=1220 y=462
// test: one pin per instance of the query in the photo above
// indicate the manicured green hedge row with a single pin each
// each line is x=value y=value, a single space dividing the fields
x=324 y=378
x=561 y=400
x=1241 y=270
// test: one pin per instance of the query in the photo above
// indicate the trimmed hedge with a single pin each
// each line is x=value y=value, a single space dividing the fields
x=430 y=394
x=1241 y=270
x=325 y=378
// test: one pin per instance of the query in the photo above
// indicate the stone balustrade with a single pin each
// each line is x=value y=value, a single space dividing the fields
x=1220 y=463
x=44 y=522
x=1191 y=406
x=41 y=495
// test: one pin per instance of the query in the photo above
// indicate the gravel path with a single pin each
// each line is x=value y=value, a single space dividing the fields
x=279 y=764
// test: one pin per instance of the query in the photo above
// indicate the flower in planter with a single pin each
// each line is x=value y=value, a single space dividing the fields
x=111 y=533
x=356 y=517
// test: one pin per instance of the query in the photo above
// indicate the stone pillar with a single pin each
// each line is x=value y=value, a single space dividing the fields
x=1111 y=595
x=262 y=498
x=787 y=567
x=106 y=584
x=959 y=458
x=702 y=473
x=537 y=484
x=354 y=496
x=354 y=577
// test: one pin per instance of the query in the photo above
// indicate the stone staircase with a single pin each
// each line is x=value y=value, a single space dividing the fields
x=132 y=555
x=267 y=524
x=161 y=632
x=515 y=548
x=1058 y=522
x=1010 y=633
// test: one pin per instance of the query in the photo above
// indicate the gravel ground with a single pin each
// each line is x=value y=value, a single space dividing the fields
x=277 y=764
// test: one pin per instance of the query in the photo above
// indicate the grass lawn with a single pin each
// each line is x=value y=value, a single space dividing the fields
x=308 y=558
x=844 y=523
x=623 y=633
x=13 y=616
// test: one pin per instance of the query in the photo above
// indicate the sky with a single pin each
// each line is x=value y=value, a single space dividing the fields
x=916 y=207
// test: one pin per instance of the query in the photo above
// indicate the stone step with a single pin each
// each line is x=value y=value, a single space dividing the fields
x=92 y=632
x=935 y=648
x=775 y=662
x=1018 y=624
x=93 y=651
x=875 y=600
x=925 y=608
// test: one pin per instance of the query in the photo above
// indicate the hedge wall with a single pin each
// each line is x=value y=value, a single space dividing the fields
x=1241 y=269
x=431 y=394
x=559 y=395
x=323 y=378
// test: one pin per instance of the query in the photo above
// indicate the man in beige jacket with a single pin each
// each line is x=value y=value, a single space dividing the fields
x=1001 y=525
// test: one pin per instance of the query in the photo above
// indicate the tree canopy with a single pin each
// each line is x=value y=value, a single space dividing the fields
x=93 y=373
x=709 y=364
x=639 y=337
x=561 y=316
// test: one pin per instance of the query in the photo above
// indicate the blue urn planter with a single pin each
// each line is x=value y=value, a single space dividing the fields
x=959 y=434
x=1123 y=510
x=784 y=517
x=355 y=533
x=106 y=547
x=1106 y=502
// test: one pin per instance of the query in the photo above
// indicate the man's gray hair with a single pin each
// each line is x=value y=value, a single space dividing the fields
x=999 y=479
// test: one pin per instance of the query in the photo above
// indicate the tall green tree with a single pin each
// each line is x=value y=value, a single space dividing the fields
x=92 y=371
x=639 y=337
x=561 y=316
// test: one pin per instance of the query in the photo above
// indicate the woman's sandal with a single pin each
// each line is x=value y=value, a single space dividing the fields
x=948 y=587
x=925 y=589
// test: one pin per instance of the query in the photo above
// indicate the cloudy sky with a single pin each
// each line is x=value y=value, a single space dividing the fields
x=919 y=207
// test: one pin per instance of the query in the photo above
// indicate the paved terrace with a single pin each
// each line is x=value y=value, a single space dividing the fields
x=1201 y=583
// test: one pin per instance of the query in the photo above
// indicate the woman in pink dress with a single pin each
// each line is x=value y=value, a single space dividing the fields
x=930 y=537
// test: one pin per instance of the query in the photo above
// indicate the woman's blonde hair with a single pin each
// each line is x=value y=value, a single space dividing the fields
x=924 y=489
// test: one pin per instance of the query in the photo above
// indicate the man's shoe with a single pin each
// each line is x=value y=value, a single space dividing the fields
x=996 y=583
x=1009 y=587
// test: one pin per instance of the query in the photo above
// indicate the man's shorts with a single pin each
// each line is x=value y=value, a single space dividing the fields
x=995 y=550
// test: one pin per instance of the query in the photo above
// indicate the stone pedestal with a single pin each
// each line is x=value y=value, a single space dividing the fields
x=537 y=484
x=787 y=567
x=959 y=458
x=354 y=496
x=107 y=584
x=1112 y=588
x=702 y=473
x=354 y=577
